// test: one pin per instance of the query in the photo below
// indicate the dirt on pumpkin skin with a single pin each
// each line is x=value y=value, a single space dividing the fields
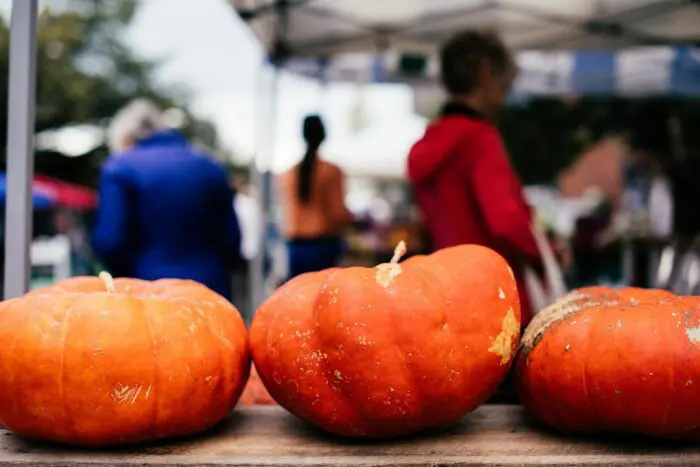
x=584 y=299
x=567 y=306
x=503 y=343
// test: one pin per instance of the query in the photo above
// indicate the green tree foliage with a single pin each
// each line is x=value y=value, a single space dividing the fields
x=85 y=73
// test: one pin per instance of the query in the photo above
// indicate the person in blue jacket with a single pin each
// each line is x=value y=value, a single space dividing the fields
x=166 y=209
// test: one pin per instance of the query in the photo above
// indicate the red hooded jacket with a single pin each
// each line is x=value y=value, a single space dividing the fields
x=468 y=192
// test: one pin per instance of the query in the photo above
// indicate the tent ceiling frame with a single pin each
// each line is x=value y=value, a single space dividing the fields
x=611 y=25
x=249 y=14
x=615 y=25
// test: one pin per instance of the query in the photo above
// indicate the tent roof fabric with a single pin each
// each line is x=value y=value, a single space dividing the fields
x=318 y=28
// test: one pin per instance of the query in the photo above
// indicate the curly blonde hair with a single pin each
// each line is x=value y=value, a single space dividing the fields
x=132 y=123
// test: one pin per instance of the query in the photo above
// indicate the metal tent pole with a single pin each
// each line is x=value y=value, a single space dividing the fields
x=255 y=271
x=265 y=148
x=322 y=77
x=20 y=147
x=262 y=177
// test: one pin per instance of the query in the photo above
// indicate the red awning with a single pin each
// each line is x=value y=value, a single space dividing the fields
x=66 y=194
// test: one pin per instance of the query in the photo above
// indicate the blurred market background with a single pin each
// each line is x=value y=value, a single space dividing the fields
x=566 y=125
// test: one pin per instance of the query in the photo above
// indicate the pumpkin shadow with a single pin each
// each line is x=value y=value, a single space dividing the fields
x=426 y=436
x=184 y=443
x=167 y=446
x=614 y=442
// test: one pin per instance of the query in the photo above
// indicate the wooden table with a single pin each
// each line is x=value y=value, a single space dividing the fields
x=493 y=435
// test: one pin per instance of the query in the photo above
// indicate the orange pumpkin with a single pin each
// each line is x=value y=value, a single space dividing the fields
x=255 y=392
x=93 y=362
x=384 y=351
x=602 y=360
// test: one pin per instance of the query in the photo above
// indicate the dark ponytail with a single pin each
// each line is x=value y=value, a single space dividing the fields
x=314 y=134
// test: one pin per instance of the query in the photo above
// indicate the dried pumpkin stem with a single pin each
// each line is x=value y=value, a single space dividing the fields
x=108 y=281
x=399 y=251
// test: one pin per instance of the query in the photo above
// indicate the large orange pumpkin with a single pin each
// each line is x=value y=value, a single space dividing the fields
x=82 y=365
x=385 y=351
x=614 y=361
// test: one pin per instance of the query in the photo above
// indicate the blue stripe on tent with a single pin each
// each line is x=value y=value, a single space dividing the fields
x=685 y=71
x=594 y=73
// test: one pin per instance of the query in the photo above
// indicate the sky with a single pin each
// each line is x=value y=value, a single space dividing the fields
x=210 y=51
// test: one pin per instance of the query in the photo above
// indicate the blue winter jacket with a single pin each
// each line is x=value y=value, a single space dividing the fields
x=166 y=211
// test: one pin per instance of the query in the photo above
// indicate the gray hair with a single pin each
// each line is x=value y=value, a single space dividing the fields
x=132 y=123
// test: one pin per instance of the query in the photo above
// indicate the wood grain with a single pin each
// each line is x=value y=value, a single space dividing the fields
x=493 y=435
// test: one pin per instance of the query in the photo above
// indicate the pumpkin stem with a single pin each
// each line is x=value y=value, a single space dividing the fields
x=399 y=251
x=108 y=281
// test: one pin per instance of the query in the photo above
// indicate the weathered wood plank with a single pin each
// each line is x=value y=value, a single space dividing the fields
x=493 y=435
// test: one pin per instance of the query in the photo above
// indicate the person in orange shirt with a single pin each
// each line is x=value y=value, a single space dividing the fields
x=314 y=212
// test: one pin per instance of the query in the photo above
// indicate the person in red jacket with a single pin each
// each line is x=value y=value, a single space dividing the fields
x=463 y=181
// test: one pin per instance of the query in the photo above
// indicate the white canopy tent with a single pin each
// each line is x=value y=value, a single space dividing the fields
x=580 y=46
x=319 y=30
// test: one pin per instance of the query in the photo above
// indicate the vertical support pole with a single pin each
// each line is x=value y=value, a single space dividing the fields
x=322 y=77
x=265 y=149
x=20 y=147
x=264 y=153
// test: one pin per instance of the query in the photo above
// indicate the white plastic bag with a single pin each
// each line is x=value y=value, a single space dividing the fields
x=542 y=295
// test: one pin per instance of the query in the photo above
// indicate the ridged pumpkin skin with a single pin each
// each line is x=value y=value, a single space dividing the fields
x=385 y=351
x=625 y=361
x=87 y=367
